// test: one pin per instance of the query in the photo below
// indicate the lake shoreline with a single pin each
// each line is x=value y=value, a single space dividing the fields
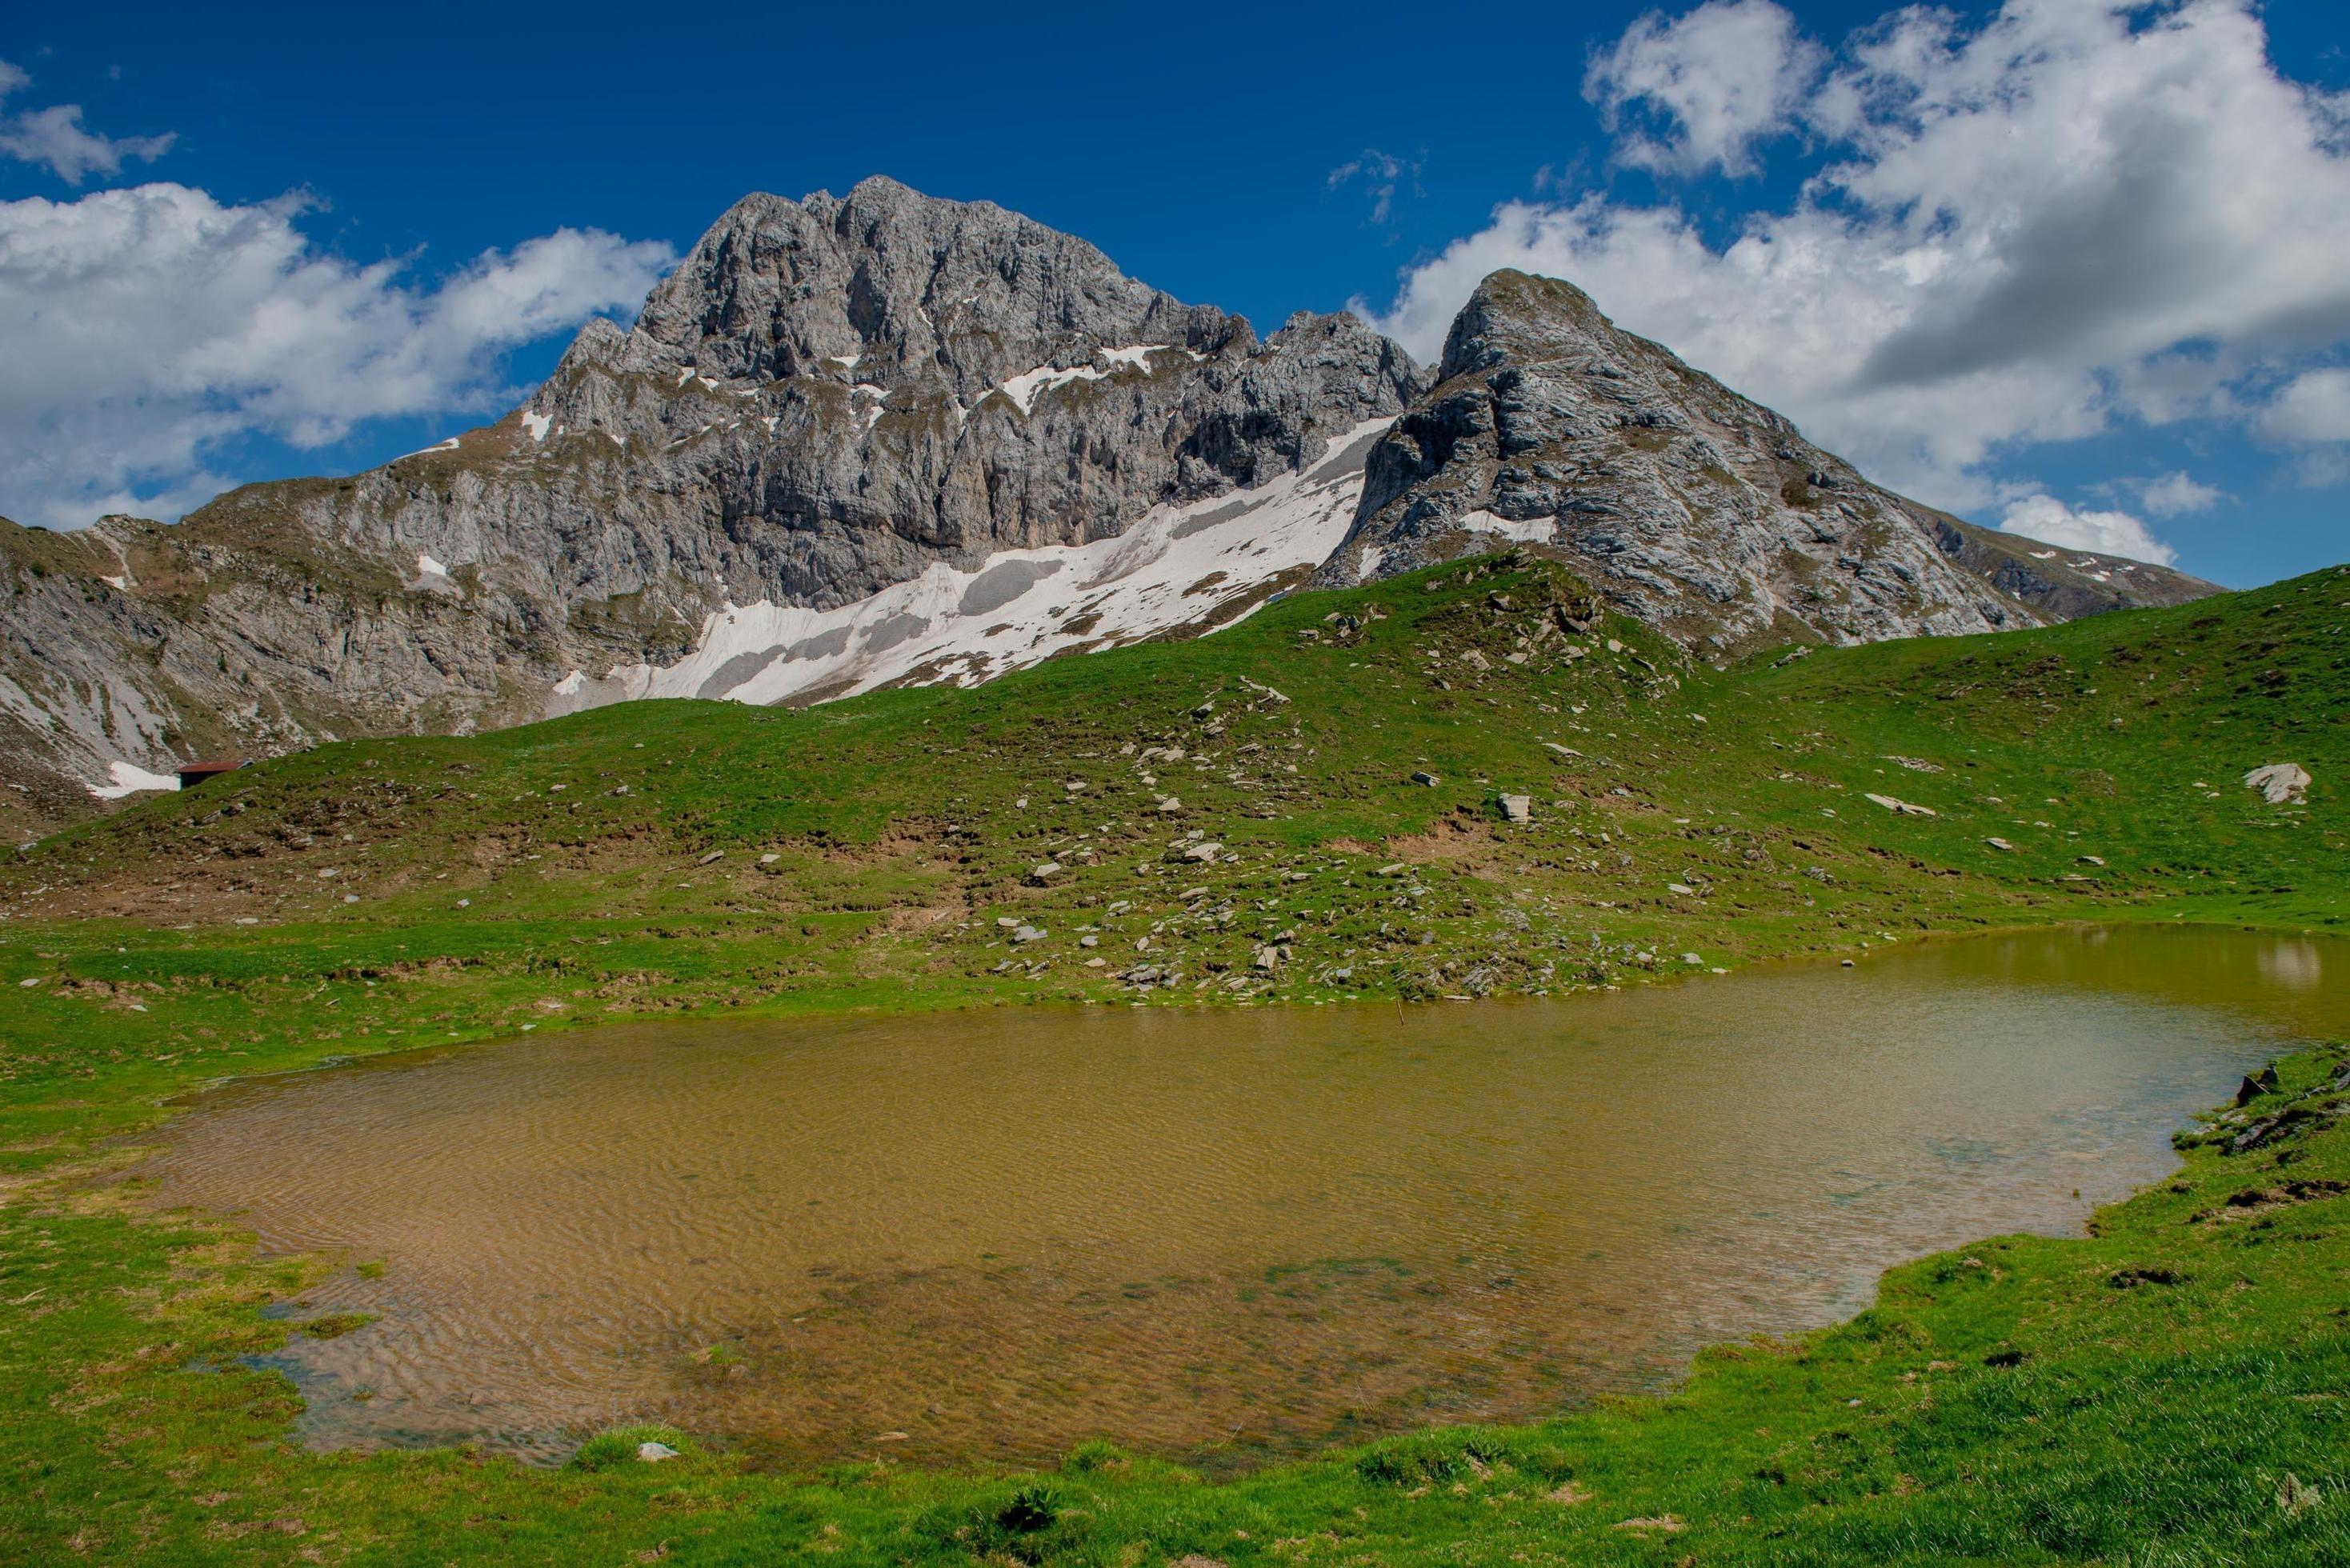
x=1580 y=1479
x=1959 y=1086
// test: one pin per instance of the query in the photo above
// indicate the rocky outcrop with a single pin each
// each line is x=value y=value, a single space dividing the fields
x=827 y=398
x=1700 y=512
x=881 y=438
x=2060 y=584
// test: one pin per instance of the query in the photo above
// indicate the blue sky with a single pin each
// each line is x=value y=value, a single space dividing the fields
x=304 y=241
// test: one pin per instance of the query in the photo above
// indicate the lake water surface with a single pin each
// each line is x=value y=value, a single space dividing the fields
x=985 y=1236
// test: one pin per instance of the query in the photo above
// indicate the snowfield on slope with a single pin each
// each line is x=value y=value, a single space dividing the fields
x=1172 y=567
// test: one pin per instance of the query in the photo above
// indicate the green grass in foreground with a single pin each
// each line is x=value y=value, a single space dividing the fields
x=2170 y=1390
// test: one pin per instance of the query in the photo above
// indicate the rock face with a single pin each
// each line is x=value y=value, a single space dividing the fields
x=2060 y=584
x=829 y=397
x=882 y=439
x=2280 y=784
x=1700 y=512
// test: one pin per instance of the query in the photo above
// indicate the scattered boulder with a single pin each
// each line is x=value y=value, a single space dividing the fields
x=654 y=1453
x=2001 y=843
x=1026 y=934
x=2280 y=784
x=1207 y=849
x=1902 y=807
x=712 y=859
x=2255 y=1084
x=1518 y=808
x=1045 y=872
x=1562 y=750
x=1424 y=777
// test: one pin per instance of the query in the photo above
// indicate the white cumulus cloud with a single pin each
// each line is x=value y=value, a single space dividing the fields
x=147 y=325
x=2050 y=521
x=2177 y=493
x=57 y=138
x=2024 y=229
x=1719 y=79
x=2314 y=409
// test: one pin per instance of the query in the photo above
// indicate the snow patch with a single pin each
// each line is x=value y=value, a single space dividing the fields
x=1535 y=531
x=569 y=685
x=1174 y=566
x=449 y=445
x=120 y=584
x=426 y=567
x=536 y=425
x=1029 y=385
x=130 y=779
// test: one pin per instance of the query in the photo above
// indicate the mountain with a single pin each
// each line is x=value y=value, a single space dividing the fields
x=1698 y=510
x=886 y=439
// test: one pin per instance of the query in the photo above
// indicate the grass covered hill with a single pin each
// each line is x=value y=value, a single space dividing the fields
x=1309 y=805
x=1316 y=803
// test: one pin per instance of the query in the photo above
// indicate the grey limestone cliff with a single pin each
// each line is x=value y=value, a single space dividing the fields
x=827 y=396
x=1689 y=505
x=838 y=398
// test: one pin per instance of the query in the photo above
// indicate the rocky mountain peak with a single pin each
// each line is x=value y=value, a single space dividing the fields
x=830 y=399
x=905 y=289
x=886 y=438
x=1698 y=510
x=1517 y=316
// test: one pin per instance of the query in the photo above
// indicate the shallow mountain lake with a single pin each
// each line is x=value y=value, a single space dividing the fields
x=1217 y=1235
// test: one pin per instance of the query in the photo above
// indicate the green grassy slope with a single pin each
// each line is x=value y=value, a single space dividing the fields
x=2139 y=1396
x=885 y=852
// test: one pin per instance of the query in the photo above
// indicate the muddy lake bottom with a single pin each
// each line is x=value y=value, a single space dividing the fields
x=1221 y=1236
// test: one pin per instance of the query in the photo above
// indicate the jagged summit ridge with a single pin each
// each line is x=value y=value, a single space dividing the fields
x=1698 y=510
x=885 y=437
x=831 y=397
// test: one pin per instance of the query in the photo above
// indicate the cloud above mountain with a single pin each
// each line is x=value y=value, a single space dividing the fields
x=2045 y=518
x=2031 y=229
x=149 y=325
x=56 y=139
